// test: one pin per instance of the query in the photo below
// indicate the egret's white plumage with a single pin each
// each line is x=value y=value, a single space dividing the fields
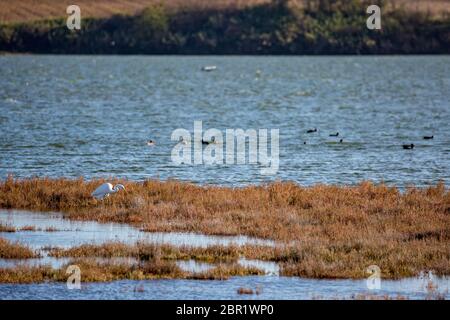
x=106 y=189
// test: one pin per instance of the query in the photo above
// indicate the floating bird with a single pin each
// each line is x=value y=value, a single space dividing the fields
x=304 y=142
x=311 y=130
x=105 y=190
x=213 y=140
x=150 y=143
x=408 y=146
x=428 y=137
x=342 y=140
x=181 y=140
x=209 y=68
x=334 y=134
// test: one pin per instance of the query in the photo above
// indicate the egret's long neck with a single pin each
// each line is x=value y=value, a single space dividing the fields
x=115 y=189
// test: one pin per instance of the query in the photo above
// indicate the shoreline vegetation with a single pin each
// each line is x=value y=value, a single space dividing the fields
x=97 y=271
x=9 y=250
x=323 y=231
x=274 y=27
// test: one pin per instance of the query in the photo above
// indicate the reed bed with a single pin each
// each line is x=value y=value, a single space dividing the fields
x=28 y=228
x=91 y=271
x=27 y=274
x=9 y=250
x=327 y=231
x=95 y=271
x=7 y=228
x=145 y=252
x=225 y=271
x=302 y=260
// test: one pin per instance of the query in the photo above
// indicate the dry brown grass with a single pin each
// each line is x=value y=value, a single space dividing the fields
x=28 y=228
x=433 y=7
x=6 y=228
x=31 y=10
x=51 y=229
x=107 y=250
x=304 y=260
x=332 y=231
x=225 y=271
x=26 y=274
x=145 y=252
x=10 y=250
x=95 y=271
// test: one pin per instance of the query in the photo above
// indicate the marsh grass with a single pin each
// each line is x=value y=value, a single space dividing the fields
x=27 y=274
x=95 y=271
x=146 y=252
x=225 y=271
x=328 y=231
x=28 y=228
x=6 y=228
x=51 y=229
x=9 y=250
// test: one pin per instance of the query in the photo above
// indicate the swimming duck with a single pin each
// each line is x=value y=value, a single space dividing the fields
x=181 y=140
x=213 y=140
x=342 y=140
x=408 y=146
x=150 y=143
x=428 y=137
x=334 y=134
x=311 y=130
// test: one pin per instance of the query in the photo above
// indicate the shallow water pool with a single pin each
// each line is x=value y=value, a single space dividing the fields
x=74 y=233
x=270 y=288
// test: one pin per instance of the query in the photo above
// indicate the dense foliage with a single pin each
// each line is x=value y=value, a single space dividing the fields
x=321 y=27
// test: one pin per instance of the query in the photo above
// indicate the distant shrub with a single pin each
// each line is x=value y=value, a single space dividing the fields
x=153 y=19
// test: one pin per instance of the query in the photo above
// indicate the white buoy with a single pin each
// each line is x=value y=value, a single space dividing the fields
x=209 y=68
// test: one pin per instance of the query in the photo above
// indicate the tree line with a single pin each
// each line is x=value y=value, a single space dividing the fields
x=319 y=27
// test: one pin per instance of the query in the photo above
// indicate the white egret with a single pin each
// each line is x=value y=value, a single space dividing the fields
x=106 y=189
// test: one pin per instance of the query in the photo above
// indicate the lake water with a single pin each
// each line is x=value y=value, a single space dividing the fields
x=271 y=287
x=90 y=116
